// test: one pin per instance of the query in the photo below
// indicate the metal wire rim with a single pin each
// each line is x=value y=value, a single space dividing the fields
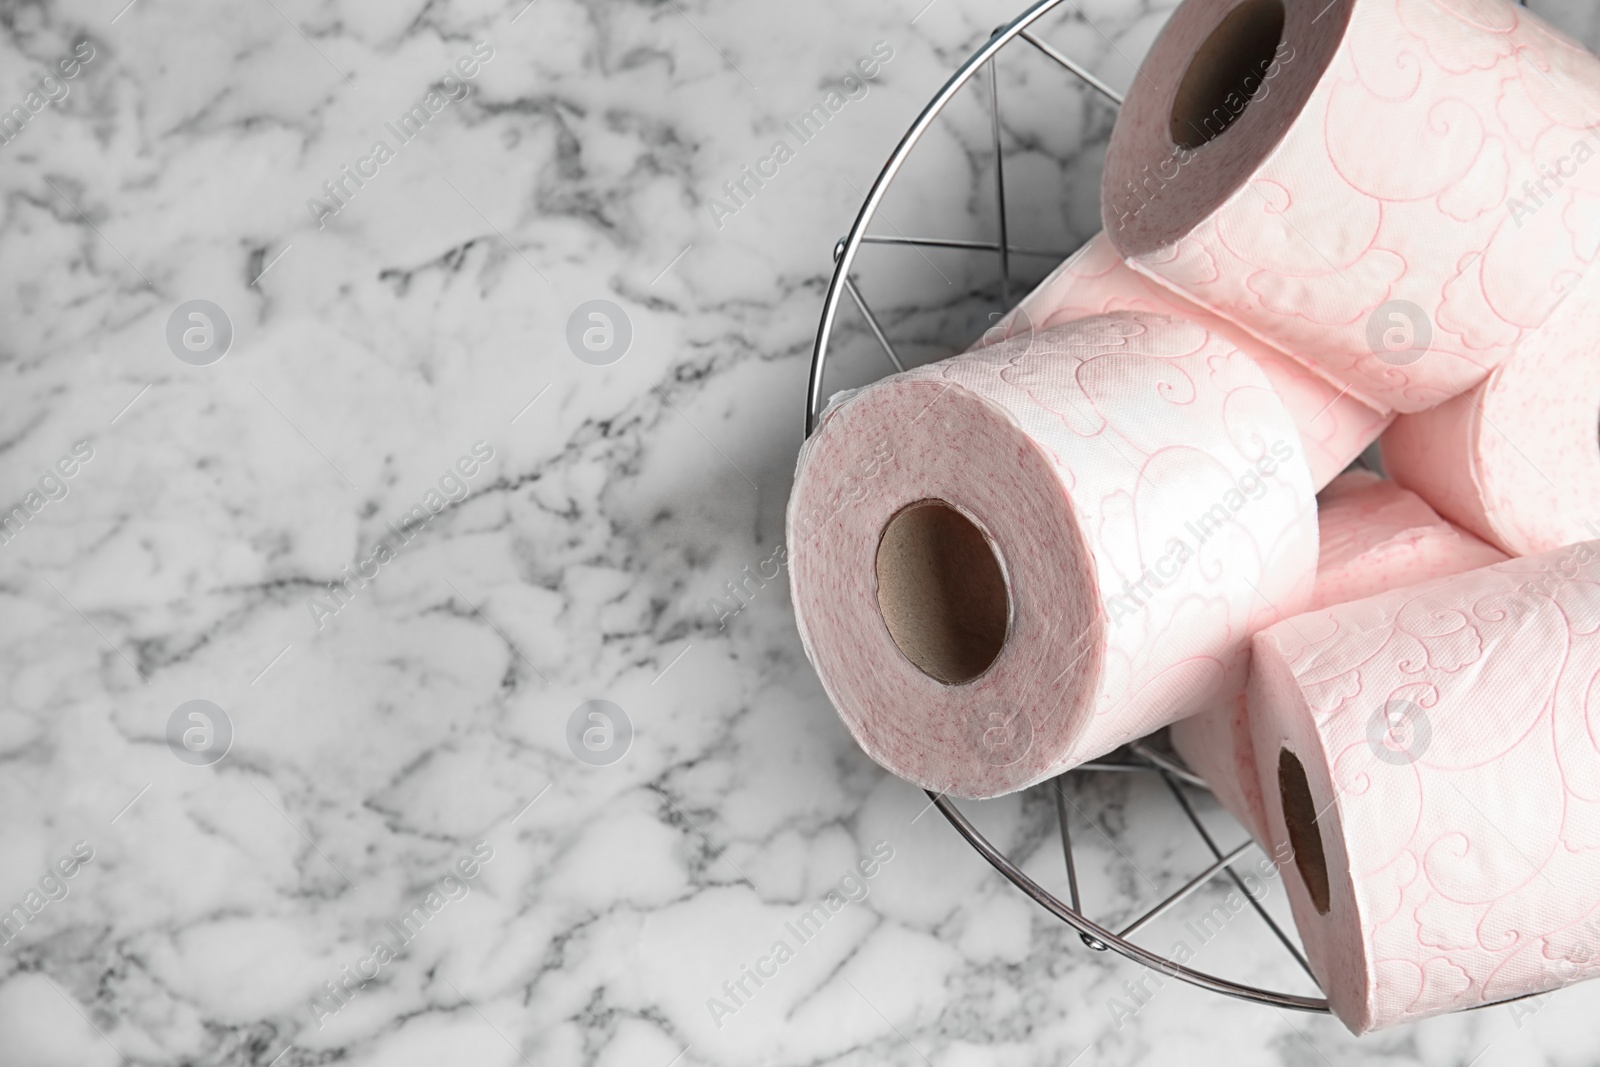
x=1101 y=938
x=1143 y=758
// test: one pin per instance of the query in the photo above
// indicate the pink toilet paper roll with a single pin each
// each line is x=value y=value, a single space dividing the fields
x=1375 y=536
x=1011 y=561
x=1334 y=426
x=1399 y=191
x=1517 y=459
x=1430 y=756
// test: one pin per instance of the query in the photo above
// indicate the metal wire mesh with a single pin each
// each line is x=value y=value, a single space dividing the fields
x=1139 y=758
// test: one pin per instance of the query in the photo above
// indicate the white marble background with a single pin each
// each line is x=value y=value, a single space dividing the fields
x=371 y=755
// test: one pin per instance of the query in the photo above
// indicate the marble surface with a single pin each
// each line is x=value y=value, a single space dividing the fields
x=403 y=769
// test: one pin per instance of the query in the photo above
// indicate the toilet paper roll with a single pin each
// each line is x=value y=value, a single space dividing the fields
x=1429 y=755
x=1334 y=426
x=1399 y=191
x=1517 y=459
x=1374 y=536
x=1011 y=561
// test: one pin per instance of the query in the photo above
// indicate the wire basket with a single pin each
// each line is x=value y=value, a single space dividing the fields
x=959 y=315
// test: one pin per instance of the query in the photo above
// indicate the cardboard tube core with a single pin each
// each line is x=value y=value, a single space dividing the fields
x=942 y=592
x=1305 y=836
x=1226 y=72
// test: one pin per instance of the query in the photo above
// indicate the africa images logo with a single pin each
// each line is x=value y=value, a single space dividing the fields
x=199 y=732
x=599 y=733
